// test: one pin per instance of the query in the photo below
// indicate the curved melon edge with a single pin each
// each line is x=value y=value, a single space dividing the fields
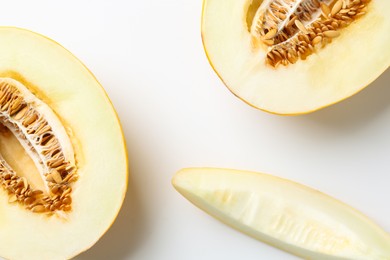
x=123 y=141
x=263 y=237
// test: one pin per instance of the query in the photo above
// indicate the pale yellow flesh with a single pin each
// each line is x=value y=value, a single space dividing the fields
x=61 y=81
x=341 y=69
x=19 y=160
x=284 y=214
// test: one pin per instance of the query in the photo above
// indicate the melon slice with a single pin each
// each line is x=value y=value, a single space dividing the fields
x=296 y=56
x=63 y=163
x=284 y=214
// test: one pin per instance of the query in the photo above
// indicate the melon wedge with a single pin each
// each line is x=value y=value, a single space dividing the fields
x=284 y=214
x=63 y=162
x=274 y=63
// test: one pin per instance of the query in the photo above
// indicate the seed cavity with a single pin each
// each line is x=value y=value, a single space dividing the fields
x=291 y=30
x=44 y=138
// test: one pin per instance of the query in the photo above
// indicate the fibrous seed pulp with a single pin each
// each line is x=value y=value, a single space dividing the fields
x=294 y=29
x=44 y=138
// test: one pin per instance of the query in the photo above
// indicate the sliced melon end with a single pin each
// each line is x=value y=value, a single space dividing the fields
x=284 y=214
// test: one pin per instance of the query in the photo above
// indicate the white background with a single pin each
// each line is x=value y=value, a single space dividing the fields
x=176 y=113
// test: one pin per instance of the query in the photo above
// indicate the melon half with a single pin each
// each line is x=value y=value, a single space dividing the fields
x=296 y=56
x=63 y=162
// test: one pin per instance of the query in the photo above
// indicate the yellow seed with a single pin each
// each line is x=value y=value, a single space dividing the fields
x=29 y=200
x=360 y=14
x=56 y=176
x=12 y=199
x=56 y=163
x=281 y=15
x=67 y=201
x=291 y=22
x=270 y=34
x=57 y=204
x=67 y=191
x=49 y=178
x=317 y=40
x=38 y=208
x=325 y=10
x=36 y=193
x=268 y=42
x=301 y=26
x=337 y=7
x=25 y=183
x=331 y=34
x=290 y=58
x=30 y=119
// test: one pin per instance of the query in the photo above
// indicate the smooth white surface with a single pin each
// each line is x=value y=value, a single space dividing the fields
x=176 y=113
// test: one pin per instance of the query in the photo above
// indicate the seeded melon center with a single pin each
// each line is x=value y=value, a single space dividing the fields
x=291 y=30
x=37 y=164
x=19 y=160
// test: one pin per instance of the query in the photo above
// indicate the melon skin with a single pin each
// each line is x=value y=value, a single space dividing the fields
x=61 y=81
x=332 y=74
x=284 y=214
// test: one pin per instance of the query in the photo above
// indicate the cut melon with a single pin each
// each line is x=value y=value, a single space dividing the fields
x=296 y=56
x=63 y=163
x=285 y=214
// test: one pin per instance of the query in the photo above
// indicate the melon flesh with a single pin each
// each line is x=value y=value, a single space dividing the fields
x=342 y=68
x=285 y=214
x=63 y=83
